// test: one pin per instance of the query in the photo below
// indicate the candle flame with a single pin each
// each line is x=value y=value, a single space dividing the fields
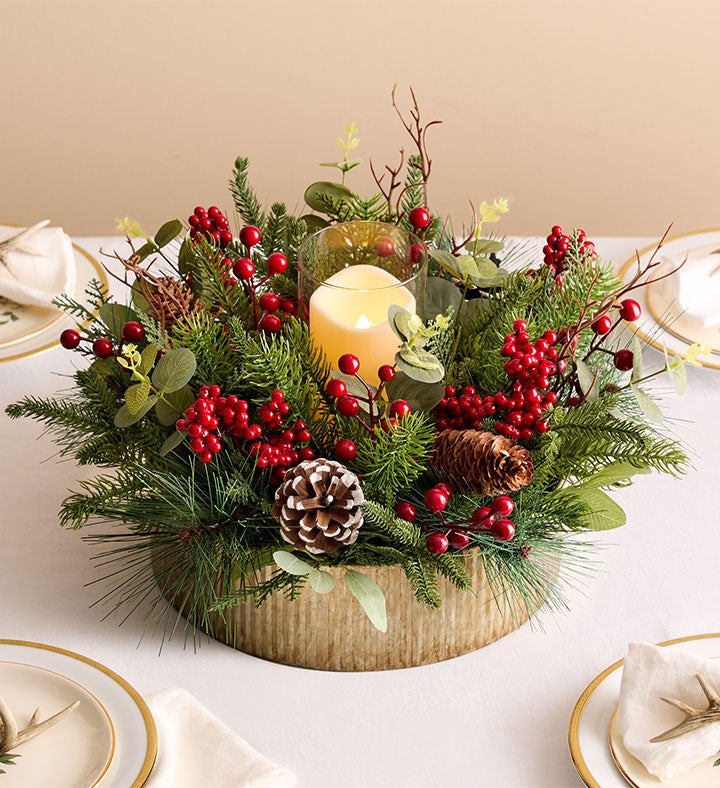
x=363 y=322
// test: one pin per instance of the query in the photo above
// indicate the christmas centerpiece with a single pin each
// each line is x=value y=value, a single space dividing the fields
x=323 y=416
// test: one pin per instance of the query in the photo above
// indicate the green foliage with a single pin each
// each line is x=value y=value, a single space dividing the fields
x=7 y=759
x=246 y=201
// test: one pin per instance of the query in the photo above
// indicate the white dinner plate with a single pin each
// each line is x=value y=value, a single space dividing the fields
x=109 y=740
x=36 y=329
x=592 y=743
x=662 y=324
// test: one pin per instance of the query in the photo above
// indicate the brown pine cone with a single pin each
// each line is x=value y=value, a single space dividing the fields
x=489 y=463
x=318 y=506
x=169 y=300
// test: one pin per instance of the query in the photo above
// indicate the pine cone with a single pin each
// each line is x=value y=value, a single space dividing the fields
x=169 y=300
x=489 y=463
x=318 y=506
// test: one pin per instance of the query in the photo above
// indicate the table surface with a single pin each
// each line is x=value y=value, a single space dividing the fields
x=496 y=717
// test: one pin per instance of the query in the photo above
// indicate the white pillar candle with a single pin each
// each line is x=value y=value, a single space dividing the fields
x=349 y=314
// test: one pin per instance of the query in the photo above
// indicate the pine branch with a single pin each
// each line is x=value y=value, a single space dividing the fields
x=398 y=532
x=246 y=201
x=423 y=580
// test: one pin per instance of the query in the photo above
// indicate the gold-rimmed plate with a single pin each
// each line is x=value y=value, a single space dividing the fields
x=663 y=324
x=113 y=742
x=26 y=330
x=589 y=734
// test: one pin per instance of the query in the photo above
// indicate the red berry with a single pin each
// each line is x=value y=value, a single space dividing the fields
x=225 y=237
x=348 y=406
x=345 y=450
x=623 y=360
x=270 y=324
x=336 y=388
x=250 y=235
x=386 y=373
x=630 y=310
x=480 y=516
x=417 y=253
x=132 y=332
x=244 y=268
x=520 y=325
x=102 y=348
x=437 y=543
x=602 y=325
x=503 y=505
x=446 y=488
x=400 y=408
x=70 y=339
x=458 y=539
x=436 y=499
x=269 y=302
x=384 y=247
x=277 y=263
x=541 y=426
x=556 y=231
x=419 y=218
x=406 y=511
x=503 y=530
x=348 y=364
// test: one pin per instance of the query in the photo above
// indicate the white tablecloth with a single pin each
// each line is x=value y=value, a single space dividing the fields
x=497 y=717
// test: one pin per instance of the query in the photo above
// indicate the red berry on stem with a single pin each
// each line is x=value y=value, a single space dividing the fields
x=400 y=408
x=336 y=388
x=70 y=339
x=458 y=539
x=348 y=364
x=277 y=263
x=244 y=268
x=102 y=348
x=419 y=218
x=250 y=236
x=270 y=324
x=386 y=373
x=602 y=325
x=503 y=530
x=623 y=360
x=348 y=406
x=417 y=253
x=437 y=543
x=630 y=310
x=446 y=488
x=406 y=511
x=269 y=302
x=503 y=505
x=384 y=247
x=436 y=499
x=345 y=449
x=132 y=332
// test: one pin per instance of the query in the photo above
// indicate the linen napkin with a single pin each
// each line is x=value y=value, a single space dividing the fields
x=696 y=287
x=195 y=748
x=39 y=269
x=649 y=673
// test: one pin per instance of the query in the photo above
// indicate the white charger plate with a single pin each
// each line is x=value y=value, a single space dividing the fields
x=589 y=734
x=114 y=744
x=661 y=323
x=37 y=329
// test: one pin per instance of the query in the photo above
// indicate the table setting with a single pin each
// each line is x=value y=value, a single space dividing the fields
x=381 y=550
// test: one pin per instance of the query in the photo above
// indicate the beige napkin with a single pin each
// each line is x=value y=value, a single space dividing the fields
x=40 y=269
x=195 y=748
x=649 y=673
x=696 y=287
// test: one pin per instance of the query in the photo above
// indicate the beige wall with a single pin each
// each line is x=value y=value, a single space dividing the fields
x=604 y=115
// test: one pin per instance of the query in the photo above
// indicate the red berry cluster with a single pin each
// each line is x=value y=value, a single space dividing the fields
x=212 y=416
x=102 y=347
x=556 y=248
x=530 y=366
x=493 y=519
x=211 y=224
x=463 y=412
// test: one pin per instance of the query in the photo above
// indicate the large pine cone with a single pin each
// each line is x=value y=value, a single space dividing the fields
x=169 y=300
x=318 y=506
x=489 y=463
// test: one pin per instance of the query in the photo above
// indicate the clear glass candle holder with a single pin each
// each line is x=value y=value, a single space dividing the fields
x=349 y=275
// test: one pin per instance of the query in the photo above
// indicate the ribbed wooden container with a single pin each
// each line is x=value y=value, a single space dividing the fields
x=331 y=632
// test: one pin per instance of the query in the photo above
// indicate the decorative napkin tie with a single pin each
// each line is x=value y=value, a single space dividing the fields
x=36 y=267
x=649 y=674
x=195 y=748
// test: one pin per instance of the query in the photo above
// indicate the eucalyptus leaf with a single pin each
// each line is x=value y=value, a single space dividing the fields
x=497 y=281
x=421 y=396
x=145 y=250
x=446 y=260
x=173 y=405
x=356 y=388
x=637 y=367
x=405 y=324
x=647 y=404
x=441 y=295
x=115 y=316
x=415 y=365
x=172 y=442
x=604 y=513
x=676 y=371
x=335 y=192
x=370 y=597
x=484 y=269
x=139 y=299
x=314 y=223
x=123 y=418
x=147 y=359
x=291 y=564
x=484 y=246
x=168 y=232
x=321 y=582
x=588 y=380
x=614 y=473
x=186 y=257
x=135 y=396
x=174 y=370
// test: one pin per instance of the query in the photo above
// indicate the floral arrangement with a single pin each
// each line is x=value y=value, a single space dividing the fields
x=232 y=443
